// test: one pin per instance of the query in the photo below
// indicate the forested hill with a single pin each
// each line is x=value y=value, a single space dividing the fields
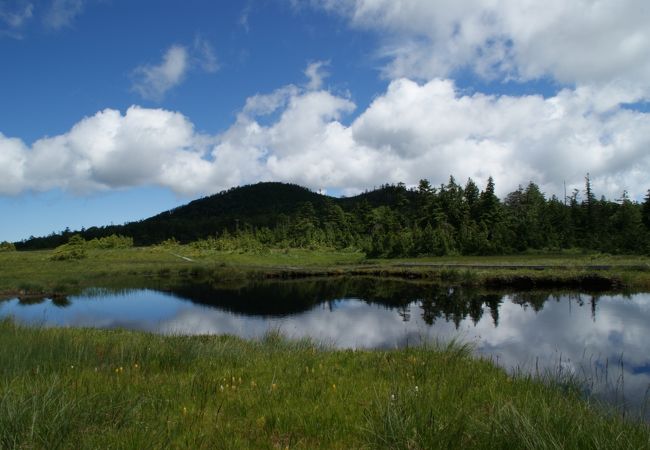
x=260 y=201
x=257 y=205
x=393 y=221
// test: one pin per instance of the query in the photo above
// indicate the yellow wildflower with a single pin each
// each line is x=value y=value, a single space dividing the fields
x=261 y=421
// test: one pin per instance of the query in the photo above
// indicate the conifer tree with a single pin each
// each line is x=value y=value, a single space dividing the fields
x=589 y=205
x=472 y=194
x=645 y=211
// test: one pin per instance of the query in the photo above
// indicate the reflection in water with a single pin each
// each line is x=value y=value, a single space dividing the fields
x=600 y=339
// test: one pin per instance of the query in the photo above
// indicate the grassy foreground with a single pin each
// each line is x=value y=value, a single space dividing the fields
x=81 y=388
x=35 y=273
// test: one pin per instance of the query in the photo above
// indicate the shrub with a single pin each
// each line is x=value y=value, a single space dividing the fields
x=241 y=242
x=74 y=249
x=7 y=247
x=169 y=243
x=112 y=241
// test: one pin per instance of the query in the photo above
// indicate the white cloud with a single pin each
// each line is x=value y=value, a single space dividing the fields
x=62 y=13
x=153 y=81
x=316 y=73
x=108 y=151
x=431 y=131
x=412 y=131
x=264 y=104
x=435 y=131
x=13 y=154
x=581 y=42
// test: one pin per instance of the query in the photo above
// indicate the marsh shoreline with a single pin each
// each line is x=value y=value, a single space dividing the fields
x=35 y=274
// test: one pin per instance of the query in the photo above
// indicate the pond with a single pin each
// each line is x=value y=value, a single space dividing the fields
x=602 y=339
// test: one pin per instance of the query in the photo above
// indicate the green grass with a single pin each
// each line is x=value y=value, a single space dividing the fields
x=35 y=273
x=81 y=388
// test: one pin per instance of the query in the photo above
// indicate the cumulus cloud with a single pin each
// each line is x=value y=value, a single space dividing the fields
x=411 y=131
x=582 y=42
x=109 y=150
x=431 y=130
x=62 y=13
x=13 y=154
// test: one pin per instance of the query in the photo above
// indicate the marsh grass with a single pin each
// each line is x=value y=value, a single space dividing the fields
x=83 y=388
x=36 y=273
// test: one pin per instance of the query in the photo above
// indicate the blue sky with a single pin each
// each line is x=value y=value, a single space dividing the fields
x=114 y=110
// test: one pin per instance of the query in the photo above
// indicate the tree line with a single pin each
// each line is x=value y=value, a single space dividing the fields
x=394 y=221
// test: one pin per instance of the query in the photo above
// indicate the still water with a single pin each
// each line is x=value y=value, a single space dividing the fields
x=600 y=338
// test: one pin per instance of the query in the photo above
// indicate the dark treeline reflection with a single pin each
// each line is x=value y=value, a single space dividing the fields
x=59 y=301
x=537 y=299
x=286 y=298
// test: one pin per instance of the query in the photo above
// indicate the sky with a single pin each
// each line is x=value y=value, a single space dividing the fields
x=115 y=110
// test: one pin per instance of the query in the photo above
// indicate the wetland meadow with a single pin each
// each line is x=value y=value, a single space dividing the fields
x=175 y=347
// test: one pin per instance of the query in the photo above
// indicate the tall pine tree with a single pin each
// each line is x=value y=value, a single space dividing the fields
x=645 y=211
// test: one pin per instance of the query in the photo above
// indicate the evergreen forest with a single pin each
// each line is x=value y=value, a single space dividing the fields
x=392 y=221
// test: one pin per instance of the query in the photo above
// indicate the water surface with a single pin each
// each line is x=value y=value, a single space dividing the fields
x=602 y=339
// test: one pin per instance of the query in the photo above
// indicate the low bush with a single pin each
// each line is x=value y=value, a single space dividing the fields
x=7 y=247
x=74 y=249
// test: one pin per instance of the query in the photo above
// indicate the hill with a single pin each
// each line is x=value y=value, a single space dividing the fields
x=258 y=205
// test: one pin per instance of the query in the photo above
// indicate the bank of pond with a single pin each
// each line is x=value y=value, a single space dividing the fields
x=345 y=362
